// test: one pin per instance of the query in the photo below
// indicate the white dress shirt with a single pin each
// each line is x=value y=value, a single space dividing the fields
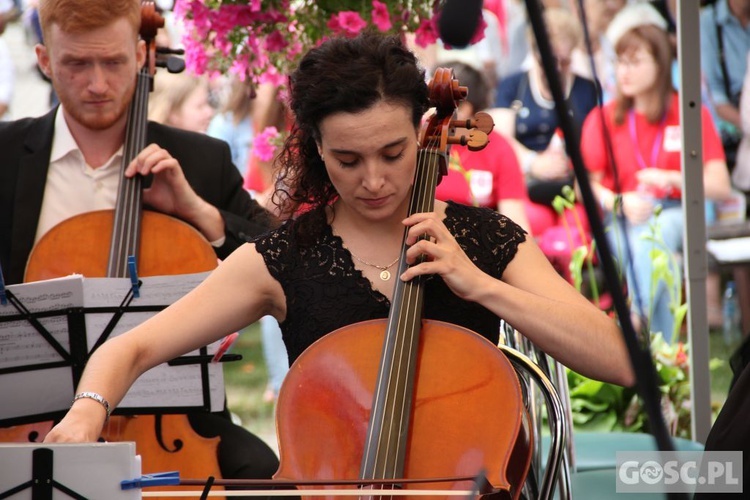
x=73 y=187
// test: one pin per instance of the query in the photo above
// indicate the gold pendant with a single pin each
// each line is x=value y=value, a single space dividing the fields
x=385 y=275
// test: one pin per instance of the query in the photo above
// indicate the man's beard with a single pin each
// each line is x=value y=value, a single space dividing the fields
x=96 y=121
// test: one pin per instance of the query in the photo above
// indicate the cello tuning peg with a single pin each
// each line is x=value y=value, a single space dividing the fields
x=172 y=64
x=462 y=123
x=175 y=65
x=167 y=50
x=477 y=140
x=483 y=121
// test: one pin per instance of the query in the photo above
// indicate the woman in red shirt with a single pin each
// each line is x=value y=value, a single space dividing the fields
x=643 y=124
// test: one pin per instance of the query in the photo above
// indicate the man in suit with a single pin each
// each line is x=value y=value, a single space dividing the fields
x=69 y=162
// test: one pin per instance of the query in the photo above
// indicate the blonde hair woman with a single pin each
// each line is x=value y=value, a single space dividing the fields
x=181 y=100
x=526 y=116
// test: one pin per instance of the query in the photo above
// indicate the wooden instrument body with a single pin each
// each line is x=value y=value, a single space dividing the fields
x=169 y=246
x=460 y=404
x=81 y=245
x=408 y=398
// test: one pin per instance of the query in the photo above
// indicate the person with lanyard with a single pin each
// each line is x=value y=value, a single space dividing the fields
x=350 y=160
x=643 y=124
x=68 y=162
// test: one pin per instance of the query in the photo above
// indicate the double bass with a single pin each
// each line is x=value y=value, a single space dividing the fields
x=97 y=244
x=441 y=402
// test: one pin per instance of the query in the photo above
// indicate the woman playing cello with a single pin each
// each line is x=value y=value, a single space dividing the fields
x=350 y=162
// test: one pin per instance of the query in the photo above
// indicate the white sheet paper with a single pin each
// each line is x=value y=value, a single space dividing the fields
x=731 y=250
x=162 y=386
x=20 y=343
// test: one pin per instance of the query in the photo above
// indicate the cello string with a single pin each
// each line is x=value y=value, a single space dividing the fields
x=134 y=208
x=400 y=349
x=115 y=265
x=410 y=318
x=131 y=199
x=389 y=373
x=413 y=289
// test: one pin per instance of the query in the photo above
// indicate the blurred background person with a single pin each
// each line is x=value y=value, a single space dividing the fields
x=269 y=113
x=725 y=42
x=524 y=113
x=182 y=101
x=233 y=122
x=741 y=173
x=514 y=41
x=644 y=132
x=490 y=177
x=599 y=13
x=8 y=13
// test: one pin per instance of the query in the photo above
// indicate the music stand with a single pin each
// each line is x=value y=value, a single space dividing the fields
x=81 y=471
x=49 y=328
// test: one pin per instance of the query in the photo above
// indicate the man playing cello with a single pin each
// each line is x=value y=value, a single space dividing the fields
x=68 y=162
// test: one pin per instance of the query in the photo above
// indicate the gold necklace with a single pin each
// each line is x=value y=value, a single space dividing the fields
x=385 y=274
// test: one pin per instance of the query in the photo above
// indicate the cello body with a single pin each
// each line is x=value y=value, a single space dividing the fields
x=468 y=416
x=168 y=247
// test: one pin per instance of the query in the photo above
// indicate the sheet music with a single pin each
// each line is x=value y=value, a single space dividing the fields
x=43 y=390
x=21 y=344
x=162 y=386
x=93 y=470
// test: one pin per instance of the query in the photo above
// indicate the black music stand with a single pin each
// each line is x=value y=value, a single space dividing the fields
x=42 y=482
x=29 y=319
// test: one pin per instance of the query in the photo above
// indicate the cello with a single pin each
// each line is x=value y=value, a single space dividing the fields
x=99 y=244
x=440 y=402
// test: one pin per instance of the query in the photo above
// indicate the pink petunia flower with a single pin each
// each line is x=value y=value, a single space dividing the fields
x=426 y=34
x=347 y=23
x=263 y=146
x=380 y=16
x=275 y=42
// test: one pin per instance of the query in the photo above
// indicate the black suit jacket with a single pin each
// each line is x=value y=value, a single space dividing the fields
x=25 y=148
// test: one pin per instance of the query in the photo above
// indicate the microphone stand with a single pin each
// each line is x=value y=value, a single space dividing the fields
x=640 y=358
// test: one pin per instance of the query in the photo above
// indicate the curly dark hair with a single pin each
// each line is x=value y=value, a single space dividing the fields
x=341 y=75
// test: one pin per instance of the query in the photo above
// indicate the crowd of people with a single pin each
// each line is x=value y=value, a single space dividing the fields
x=325 y=217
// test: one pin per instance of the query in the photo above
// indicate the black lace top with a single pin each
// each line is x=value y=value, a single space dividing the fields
x=324 y=290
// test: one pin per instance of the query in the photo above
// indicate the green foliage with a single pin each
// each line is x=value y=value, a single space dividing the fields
x=598 y=406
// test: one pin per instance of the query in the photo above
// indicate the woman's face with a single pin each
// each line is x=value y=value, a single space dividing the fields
x=370 y=158
x=195 y=113
x=562 y=49
x=636 y=71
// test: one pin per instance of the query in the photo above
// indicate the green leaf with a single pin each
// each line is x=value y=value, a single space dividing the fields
x=601 y=422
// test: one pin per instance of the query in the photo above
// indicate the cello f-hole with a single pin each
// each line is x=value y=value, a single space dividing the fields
x=178 y=444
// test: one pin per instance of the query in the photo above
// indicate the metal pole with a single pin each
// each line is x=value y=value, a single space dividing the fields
x=694 y=216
